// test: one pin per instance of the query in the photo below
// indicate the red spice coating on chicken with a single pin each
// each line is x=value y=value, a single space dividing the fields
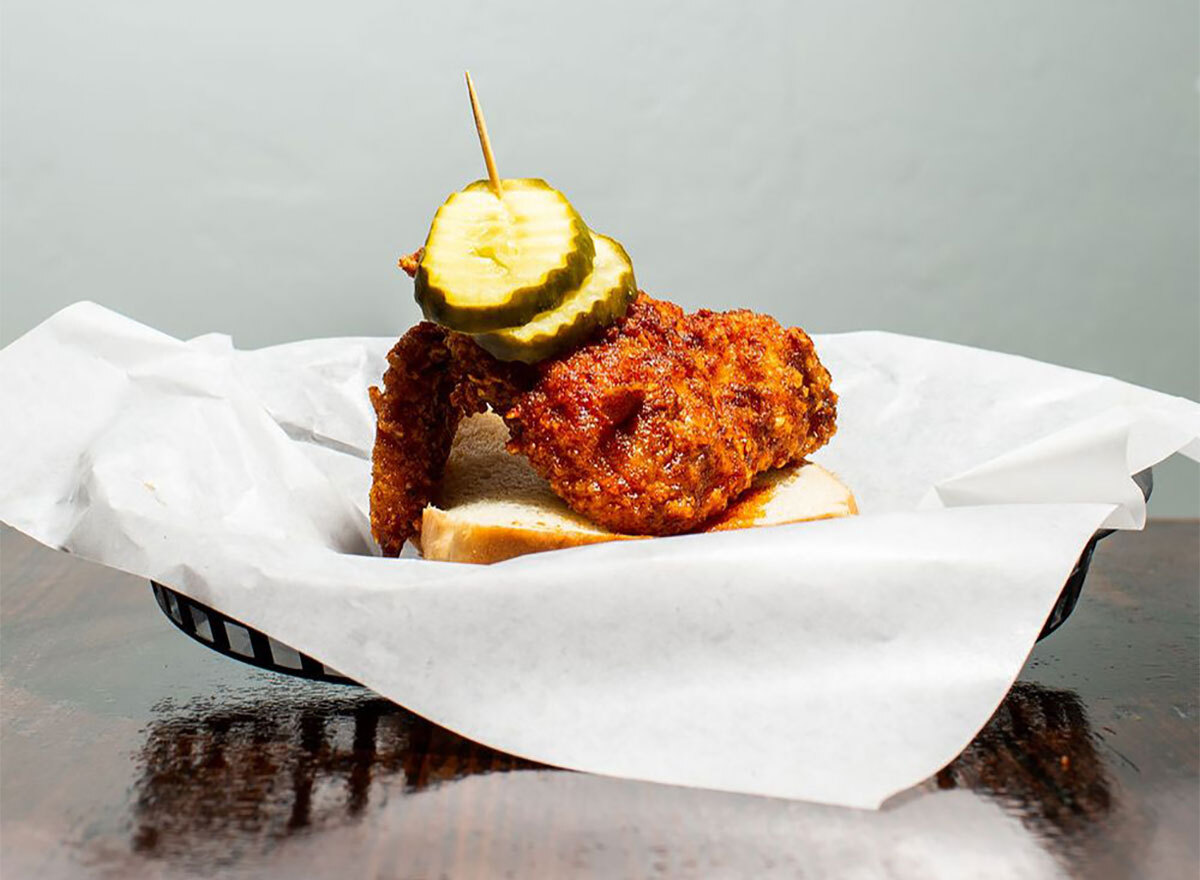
x=666 y=417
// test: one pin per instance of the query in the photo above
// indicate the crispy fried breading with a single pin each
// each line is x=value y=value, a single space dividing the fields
x=410 y=262
x=659 y=423
x=483 y=381
x=415 y=424
x=651 y=428
x=434 y=377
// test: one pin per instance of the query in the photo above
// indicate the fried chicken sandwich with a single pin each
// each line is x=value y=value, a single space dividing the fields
x=584 y=409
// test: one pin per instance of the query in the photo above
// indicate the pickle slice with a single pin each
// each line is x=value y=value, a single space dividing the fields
x=602 y=298
x=492 y=262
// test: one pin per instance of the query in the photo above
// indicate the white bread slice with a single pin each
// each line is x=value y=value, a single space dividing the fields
x=493 y=506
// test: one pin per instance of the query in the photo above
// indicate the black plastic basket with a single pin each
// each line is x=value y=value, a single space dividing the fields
x=233 y=639
x=236 y=640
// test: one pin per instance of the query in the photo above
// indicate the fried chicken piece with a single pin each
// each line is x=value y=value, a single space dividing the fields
x=434 y=378
x=415 y=424
x=653 y=427
x=666 y=417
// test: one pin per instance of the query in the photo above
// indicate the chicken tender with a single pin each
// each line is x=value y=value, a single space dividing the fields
x=415 y=425
x=434 y=378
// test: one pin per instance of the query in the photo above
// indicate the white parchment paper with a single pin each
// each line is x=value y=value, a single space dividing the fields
x=838 y=661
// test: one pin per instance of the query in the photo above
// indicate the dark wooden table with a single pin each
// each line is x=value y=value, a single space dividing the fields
x=127 y=750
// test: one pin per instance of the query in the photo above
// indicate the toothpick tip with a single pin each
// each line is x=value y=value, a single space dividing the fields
x=484 y=142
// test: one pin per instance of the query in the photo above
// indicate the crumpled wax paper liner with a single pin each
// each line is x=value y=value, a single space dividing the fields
x=838 y=661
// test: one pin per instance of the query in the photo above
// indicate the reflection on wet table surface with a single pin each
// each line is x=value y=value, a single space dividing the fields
x=272 y=769
x=131 y=751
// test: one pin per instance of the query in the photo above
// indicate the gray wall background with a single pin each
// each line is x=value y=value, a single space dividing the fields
x=1020 y=176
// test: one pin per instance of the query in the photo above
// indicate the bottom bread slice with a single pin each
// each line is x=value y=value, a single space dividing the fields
x=493 y=506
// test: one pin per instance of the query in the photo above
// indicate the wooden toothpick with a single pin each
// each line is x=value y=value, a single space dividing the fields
x=484 y=143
